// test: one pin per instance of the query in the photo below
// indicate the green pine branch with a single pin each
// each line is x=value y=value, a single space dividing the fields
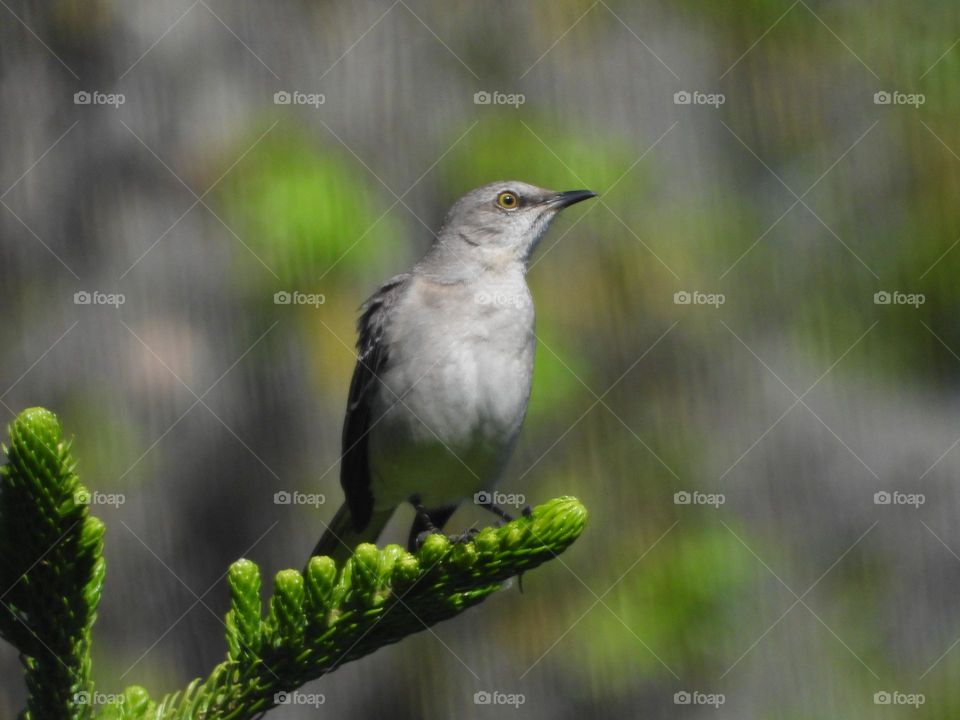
x=51 y=567
x=51 y=561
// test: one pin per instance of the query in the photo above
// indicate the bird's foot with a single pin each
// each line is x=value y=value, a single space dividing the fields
x=422 y=515
x=466 y=536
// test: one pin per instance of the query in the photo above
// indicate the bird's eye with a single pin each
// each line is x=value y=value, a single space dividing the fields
x=508 y=200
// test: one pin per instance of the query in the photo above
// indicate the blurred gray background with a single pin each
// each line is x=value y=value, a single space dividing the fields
x=814 y=166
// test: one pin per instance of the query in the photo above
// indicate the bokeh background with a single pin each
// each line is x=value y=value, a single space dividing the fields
x=797 y=399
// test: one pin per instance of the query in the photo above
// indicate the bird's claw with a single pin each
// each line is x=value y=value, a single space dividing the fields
x=466 y=536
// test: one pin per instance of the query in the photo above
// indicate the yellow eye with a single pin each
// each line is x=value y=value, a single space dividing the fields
x=508 y=200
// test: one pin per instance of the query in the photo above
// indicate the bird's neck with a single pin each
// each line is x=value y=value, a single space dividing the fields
x=452 y=263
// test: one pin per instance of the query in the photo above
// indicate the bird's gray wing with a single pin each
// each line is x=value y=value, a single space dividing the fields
x=372 y=359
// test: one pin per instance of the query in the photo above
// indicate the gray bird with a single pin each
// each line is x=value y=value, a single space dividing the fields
x=444 y=367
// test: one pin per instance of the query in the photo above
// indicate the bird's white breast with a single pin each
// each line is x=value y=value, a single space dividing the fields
x=456 y=386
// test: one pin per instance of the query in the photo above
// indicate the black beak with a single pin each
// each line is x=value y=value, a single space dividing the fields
x=570 y=197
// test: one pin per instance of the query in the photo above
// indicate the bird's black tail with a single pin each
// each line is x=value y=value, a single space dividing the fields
x=341 y=538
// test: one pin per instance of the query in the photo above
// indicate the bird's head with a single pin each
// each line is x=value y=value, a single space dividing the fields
x=502 y=222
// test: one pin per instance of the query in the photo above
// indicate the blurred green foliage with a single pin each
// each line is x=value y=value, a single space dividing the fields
x=306 y=208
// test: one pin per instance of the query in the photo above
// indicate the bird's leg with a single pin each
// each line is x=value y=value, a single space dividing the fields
x=423 y=526
x=496 y=510
x=430 y=527
x=422 y=514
